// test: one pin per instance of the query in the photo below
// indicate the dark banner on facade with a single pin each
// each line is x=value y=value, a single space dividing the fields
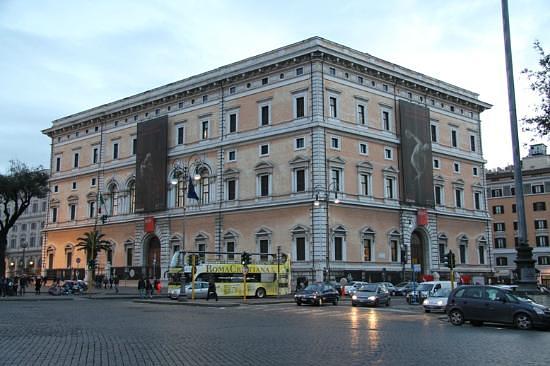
x=416 y=154
x=152 y=137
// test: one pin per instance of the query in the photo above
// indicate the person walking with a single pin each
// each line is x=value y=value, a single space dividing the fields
x=3 y=286
x=212 y=290
x=149 y=288
x=115 y=281
x=37 y=285
x=22 y=285
x=141 y=287
x=111 y=280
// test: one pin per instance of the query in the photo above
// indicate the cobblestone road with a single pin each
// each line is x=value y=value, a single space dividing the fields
x=120 y=332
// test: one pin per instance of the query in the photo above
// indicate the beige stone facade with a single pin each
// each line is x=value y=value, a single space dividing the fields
x=502 y=205
x=277 y=139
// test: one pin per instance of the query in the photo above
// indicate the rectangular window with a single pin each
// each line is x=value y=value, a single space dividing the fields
x=91 y=209
x=436 y=164
x=134 y=146
x=69 y=256
x=72 y=212
x=454 y=138
x=462 y=254
x=541 y=241
x=54 y=214
x=180 y=135
x=361 y=115
x=299 y=143
x=441 y=252
x=299 y=71
x=300 y=249
x=336 y=181
x=204 y=130
x=386 y=121
x=390 y=187
x=300 y=107
x=332 y=107
x=515 y=225
x=513 y=208
x=388 y=153
x=477 y=200
x=360 y=80
x=264 y=150
x=543 y=260
x=129 y=256
x=497 y=192
x=364 y=183
x=481 y=251
x=233 y=123
x=232 y=90
x=475 y=171
x=232 y=155
x=300 y=176
x=458 y=198
x=338 y=248
x=434 y=132
x=363 y=148
x=539 y=206
x=75 y=160
x=231 y=189
x=95 y=155
x=438 y=192
x=537 y=188
x=92 y=182
x=500 y=243
x=335 y=143
x=264 y=185
x=541 y=224
x=498 y=210
x=264 y=115
x=115 y=150
x=473 y=145
x=230 y=246
x=332 y=71
x=265 y=81
x=264 y=249
x=205 y=98
x=456 y=167
x=502 y=261
x=499 y=226
x=394 y=250
x=367 y=250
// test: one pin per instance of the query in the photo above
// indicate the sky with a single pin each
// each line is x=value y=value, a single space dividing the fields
x=62 y=57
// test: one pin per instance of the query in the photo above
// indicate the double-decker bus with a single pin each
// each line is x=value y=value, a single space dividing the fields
x=267 y=276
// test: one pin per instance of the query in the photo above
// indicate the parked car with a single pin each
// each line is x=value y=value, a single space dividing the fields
x=201 y=290
x=419 y=293
x=437 y=301
x=372 y=294
x=317 y=294
x=390 y=287
x=491 y=304
x=404 y=287
x=353 y=286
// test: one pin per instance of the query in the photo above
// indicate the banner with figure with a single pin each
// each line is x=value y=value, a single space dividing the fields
x=416 y=154
x=151 y=154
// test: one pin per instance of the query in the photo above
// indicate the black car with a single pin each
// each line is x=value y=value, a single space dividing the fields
x=491 y=304
x=317 y=294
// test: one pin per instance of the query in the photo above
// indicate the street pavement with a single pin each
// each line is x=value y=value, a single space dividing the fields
x=86 y=331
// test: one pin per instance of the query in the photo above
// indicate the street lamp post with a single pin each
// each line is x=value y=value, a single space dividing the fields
x=332 y=187
x=24 y=246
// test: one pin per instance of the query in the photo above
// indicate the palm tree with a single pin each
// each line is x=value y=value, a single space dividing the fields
x=92 y=243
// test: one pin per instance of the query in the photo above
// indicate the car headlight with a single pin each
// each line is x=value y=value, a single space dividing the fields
x=372 y=298
x=440 y=302
x=426 y=302
x=538 y=310
x=354 y=297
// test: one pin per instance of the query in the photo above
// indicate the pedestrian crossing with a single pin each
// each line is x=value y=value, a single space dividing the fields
x=325 y=311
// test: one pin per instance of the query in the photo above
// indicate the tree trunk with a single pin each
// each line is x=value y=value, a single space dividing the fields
x=3 y=245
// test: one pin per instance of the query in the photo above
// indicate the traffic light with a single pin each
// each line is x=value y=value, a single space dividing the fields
x=446 y=260
x=245 y=259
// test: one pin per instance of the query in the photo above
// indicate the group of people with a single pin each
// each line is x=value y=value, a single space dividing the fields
x=147 y=287
x=107 y=283
x=13 y=286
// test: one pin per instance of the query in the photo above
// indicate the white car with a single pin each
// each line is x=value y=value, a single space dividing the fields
x=201 y=290
x=437 y=301
x=351 y=287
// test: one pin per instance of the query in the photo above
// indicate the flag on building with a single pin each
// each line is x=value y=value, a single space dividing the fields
x=191 y=190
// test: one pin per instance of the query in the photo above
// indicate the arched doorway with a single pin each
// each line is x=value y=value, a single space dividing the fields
x=418 y=251
x=152 y=257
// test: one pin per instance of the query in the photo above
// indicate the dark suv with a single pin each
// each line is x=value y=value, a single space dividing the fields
x=479 y=304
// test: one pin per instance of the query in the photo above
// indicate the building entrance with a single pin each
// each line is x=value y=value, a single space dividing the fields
x=152 y=257
x=418 y=251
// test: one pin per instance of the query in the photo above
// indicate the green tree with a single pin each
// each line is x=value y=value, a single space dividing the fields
x=92 y=243
x=539 y=83
x=17 y=188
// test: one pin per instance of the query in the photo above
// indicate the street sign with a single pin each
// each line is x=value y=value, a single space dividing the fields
x=416 y=268
x=77 y=260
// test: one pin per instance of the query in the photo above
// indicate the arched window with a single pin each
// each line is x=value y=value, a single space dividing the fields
x=113 y=199
x=69 y=256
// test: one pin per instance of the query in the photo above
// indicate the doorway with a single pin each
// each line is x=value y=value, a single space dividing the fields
x=418 y=251
x=152 y=259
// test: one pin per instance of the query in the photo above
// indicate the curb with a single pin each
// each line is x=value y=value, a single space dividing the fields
x=39 y=299
x=185 y=303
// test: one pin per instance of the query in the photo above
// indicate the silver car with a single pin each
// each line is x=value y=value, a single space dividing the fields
x=437 y=301
x=201 y=290
x=372 y=294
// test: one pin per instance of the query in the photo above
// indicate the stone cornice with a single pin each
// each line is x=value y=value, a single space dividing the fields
x=314 y=48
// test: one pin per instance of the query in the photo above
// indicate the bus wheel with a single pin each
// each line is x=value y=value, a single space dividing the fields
x=260 y=293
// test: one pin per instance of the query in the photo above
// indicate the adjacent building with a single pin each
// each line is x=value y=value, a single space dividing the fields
x=352 y=165
x=24 y=249
x=502 y=203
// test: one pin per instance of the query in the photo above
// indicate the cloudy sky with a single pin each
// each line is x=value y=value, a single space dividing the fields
x=62 y=57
